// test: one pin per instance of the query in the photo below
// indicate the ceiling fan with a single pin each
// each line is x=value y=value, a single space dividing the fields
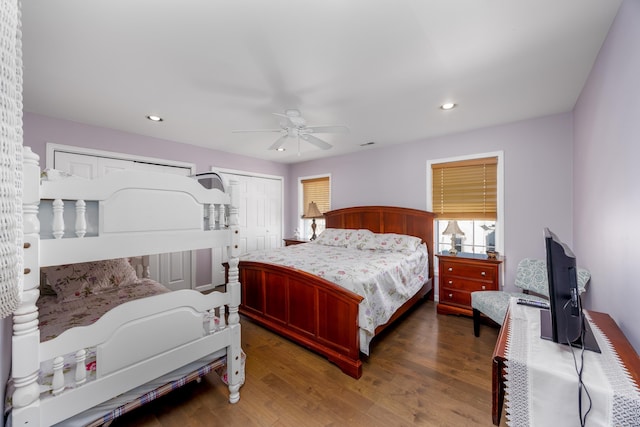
x=295 y=126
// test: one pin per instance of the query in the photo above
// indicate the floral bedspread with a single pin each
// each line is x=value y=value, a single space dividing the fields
x=56 y=317
x=386 y=279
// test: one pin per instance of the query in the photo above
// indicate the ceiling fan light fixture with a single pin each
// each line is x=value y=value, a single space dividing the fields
x=296 y=127
x=448 y=106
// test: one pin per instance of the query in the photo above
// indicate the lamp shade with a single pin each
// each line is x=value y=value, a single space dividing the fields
x=312 y=211
x=453 y=229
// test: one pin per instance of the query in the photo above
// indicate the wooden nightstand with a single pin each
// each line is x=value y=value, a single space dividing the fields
x=292 y=241
x=461 y=274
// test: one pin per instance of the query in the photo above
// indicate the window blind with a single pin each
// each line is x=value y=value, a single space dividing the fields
x=316 y=190
x=466 y=189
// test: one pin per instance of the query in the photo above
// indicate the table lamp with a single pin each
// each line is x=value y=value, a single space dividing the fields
x=312 y=213
x=454 y=230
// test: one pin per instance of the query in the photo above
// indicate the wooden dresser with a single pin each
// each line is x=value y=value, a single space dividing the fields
x=461 y=274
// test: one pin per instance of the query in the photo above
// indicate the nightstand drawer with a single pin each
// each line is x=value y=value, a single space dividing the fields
x=480 y=272
x=469 y=285
x=453 y=296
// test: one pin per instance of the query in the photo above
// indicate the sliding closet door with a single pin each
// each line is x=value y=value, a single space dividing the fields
x=176 y=270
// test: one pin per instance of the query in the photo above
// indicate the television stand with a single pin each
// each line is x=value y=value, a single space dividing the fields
x=619 y=343
x=586 y=340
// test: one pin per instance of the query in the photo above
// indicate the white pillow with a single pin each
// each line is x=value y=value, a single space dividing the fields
x=393 y=242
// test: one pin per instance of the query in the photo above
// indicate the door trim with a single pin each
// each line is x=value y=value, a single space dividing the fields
x=51 y=148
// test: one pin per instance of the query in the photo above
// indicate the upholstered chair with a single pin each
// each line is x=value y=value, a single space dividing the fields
x=531 y=277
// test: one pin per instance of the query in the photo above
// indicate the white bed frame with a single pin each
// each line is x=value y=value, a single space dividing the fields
x=137 y=213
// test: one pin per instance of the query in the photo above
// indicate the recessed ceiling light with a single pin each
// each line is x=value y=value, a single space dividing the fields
x=281 y=149
x=367 y=143
x=448 y=106
x=155 y=118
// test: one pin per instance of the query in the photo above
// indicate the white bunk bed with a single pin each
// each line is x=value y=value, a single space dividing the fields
x=125 y=214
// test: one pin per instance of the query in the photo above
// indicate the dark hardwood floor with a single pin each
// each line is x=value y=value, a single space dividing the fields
x=427 y=370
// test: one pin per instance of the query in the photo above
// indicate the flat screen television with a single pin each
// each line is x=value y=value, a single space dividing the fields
x=564 y=322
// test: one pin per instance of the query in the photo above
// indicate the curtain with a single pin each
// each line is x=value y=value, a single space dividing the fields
x=11 y=258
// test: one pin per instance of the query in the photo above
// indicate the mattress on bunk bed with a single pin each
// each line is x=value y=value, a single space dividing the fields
x=58 y=315
x=386 y=269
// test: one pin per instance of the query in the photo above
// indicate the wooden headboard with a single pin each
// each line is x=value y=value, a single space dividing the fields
x=386 y=219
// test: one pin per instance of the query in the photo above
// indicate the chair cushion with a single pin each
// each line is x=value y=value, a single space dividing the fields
x=532 y=275
x=494 y=304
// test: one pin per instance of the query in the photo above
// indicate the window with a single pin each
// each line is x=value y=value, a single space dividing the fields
x=464 y=196
x=318 y=191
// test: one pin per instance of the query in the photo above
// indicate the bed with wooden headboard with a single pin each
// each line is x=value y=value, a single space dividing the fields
x=317 y=313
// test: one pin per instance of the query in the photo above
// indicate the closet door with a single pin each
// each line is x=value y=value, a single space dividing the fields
x=260 y=211
x=174 y=270
x=260 y=217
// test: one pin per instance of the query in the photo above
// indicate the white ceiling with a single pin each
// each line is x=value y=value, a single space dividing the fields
x=380 y=67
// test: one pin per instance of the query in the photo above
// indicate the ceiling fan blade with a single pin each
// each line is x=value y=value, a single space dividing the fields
x=278 y=143
x=289 y=113
x=328 y=129
x=316 y=141
x=255 y=130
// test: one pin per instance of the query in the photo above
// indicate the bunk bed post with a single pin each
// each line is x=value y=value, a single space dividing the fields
x=234 y=352
x=25 y=358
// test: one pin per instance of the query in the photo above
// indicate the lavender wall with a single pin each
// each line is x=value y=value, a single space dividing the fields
x=538 y=178
x=607 y=174
x=38 y=130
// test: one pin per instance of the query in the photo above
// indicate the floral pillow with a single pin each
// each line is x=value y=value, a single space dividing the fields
x=393 y=242
x=343 y=237
x=361 y=238
x=73 y=281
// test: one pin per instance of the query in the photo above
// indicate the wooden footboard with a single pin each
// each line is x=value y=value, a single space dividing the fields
x=306 y=309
